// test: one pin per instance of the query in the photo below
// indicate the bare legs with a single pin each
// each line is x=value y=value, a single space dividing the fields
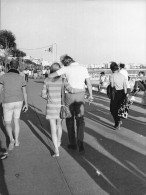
x=9 y=130
x=16 y=131
x=10 y=133
x=56 y=133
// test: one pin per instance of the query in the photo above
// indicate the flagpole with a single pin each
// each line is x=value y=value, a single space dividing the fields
x=53 y=49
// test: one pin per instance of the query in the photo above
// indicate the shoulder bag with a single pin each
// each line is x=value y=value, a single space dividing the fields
x=64 y=111
x=111 y=91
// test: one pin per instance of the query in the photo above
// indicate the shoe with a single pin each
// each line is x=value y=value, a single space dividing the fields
x=81 y=146
x=119 y=125
x=3 y=156
x=71 y=146
x=17 y=144
x=59 y=143
x=3 y=151
x=55 y=155
x=11 y=145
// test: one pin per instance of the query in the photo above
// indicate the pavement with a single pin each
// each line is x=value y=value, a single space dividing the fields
x=114 y=162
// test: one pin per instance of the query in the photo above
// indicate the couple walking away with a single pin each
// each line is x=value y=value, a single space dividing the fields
x=75 y=77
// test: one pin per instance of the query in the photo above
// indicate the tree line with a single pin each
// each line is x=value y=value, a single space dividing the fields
x=9 y=46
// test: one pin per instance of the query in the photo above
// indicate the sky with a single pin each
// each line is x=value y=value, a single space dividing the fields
x=90 y=31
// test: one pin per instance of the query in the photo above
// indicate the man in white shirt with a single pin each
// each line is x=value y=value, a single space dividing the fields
x=76 y=75
x=26 y=72
x=124 y=72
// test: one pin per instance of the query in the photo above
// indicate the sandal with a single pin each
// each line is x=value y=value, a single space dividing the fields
x=55 y=155
x=17 y=144
x=11 y=145
x=59 y=143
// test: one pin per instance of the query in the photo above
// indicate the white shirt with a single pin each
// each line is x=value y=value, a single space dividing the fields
x=125 y=73
x=75 y=74
x=117 y=80
x=44 y=71
x=26 y=71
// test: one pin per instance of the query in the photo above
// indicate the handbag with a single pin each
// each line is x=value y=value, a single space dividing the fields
x=111 y=91
x=124 y=109
x=64 y=110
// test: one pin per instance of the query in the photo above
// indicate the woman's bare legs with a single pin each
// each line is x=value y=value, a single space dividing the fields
x=59 y=131
x=54 y=135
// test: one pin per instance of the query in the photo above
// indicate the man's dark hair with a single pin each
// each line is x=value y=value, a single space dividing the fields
x=114 y=66
x=142 y=72
x=102 y=73
x=122 y=65
x=66 y=60
x=14 y=64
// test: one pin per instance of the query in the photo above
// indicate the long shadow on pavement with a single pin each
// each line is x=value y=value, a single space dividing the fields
x=2 y=127
x=3 y=186
x=122 y=169
x=105 y=118
x=32 y=118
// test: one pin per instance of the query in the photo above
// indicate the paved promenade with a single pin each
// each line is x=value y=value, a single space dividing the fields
x=114 y=162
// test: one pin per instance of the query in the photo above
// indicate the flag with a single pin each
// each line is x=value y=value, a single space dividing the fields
x=50 y=49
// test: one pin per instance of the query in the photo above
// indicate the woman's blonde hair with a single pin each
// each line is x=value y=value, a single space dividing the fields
x=54 y=67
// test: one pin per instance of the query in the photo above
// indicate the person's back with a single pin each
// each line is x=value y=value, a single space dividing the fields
x=124 y=72
x=53 y=86
x=14 y=92
x=118 y=80
x=76 y=75
x=13 y=83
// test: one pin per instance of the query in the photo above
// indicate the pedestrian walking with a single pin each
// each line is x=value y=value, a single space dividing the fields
x=102 y=79
x=125 y=73
x=76 y=75
x=14 y=89
x=118 y=82
x=35 y=74
x=51 y=91
x=26 y=72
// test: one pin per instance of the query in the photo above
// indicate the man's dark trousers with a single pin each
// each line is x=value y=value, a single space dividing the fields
x=75 y=102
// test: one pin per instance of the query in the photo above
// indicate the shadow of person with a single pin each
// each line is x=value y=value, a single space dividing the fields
x=3 y=186
x=2 y=127
x=103 y=116
x=31 y=118
x=115 y=177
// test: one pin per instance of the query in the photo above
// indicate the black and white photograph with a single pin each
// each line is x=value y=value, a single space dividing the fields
x=72 y=97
